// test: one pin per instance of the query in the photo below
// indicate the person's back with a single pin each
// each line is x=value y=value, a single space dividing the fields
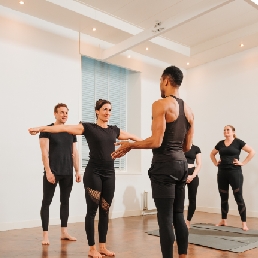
x=177 y=126
x=172 y=135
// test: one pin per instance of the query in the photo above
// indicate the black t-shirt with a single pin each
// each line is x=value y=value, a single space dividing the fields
x=191 y=154
x=229 y=153
x=60 y=152
x=101 y=141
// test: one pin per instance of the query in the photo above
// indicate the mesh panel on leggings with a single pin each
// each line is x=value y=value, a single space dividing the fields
x=95 y=195
x=104 y=205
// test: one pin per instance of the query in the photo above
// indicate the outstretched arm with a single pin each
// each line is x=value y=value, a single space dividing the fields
x=127 y=136
x=71 y=129
x=154 y=141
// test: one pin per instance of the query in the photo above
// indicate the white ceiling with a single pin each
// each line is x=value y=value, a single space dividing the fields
x=194 y=31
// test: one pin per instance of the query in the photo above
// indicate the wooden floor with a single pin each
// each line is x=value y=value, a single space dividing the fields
x=126 y=237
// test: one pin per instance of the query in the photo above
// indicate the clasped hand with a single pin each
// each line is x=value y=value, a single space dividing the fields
x=33 y=131
x=190 y=179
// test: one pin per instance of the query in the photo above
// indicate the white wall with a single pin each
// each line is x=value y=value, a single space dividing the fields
x=40 y=66
x=220 y=93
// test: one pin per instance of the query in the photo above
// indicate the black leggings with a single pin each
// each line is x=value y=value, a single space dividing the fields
x=99 y=187
x=65 y=184
x=192 y=193
x=167 y=216
x=235 y=179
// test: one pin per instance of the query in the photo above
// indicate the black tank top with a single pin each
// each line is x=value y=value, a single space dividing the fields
x=174 y=135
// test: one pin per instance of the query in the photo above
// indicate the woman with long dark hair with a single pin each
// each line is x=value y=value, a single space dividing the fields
x=99 y=176
x=230 y=172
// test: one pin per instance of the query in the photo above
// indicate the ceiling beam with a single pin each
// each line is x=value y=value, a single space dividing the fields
x=185 y=16
x=226 y=38
x=253 y=3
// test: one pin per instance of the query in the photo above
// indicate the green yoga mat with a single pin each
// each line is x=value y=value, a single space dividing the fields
x=222 y=238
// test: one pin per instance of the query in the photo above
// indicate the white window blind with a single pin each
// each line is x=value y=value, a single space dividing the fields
x=103 y=81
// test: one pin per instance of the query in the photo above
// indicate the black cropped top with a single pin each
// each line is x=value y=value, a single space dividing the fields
x=191 y=154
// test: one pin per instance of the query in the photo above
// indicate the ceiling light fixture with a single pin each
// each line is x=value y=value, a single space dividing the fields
x=94 y=29
x=129 y=56
x=157 y=27
x=242 y=45
x=21 y=2
x=147 y=48
x=187 y=63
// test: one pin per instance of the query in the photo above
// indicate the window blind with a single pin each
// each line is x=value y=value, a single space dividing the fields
x=101 y=80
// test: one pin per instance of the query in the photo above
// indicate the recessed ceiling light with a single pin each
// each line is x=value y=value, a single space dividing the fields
x=129 y=56
x=94 y=29
x=21 y=2
x=187 y=63
x=242 y=45
x=147 y=48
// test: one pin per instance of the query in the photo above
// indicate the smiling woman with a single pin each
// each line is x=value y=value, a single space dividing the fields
x=230 y=172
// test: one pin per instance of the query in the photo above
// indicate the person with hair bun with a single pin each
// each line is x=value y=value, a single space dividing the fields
x=99 y=176
x=230 y=172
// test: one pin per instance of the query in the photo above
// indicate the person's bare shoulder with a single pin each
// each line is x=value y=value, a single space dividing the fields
x=159 y=107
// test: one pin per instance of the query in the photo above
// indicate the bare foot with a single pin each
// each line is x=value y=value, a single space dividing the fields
x=244 y=226
x=223 y=222
x=94 y=253
x=45 y=240
x=188 y=223
x=106 y=252
x=65 y=235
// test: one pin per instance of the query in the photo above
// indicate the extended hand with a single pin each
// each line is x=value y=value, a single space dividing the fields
x=78 y=177
x=236 y=162
x=33 y=131
x=122 y=150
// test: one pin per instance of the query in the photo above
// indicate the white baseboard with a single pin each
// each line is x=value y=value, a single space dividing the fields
x=56 y=221
x=231 y=212
x=113 y=215
x=36 y=223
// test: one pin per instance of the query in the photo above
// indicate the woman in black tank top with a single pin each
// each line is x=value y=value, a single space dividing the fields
x=230 y=172
x=99 y=176
x=193 y=157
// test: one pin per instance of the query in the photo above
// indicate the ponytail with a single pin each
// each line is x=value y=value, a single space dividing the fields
x=233 y=129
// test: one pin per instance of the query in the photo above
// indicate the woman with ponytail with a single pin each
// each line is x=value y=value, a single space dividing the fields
x=230 y=172
x=99 y=176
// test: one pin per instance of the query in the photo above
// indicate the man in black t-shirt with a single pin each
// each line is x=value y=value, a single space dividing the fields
x=59 y=156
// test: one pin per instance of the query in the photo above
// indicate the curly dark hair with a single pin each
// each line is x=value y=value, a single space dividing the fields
x=174 y=75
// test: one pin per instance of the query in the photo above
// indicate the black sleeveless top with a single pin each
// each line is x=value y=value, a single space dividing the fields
x=174 y=135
